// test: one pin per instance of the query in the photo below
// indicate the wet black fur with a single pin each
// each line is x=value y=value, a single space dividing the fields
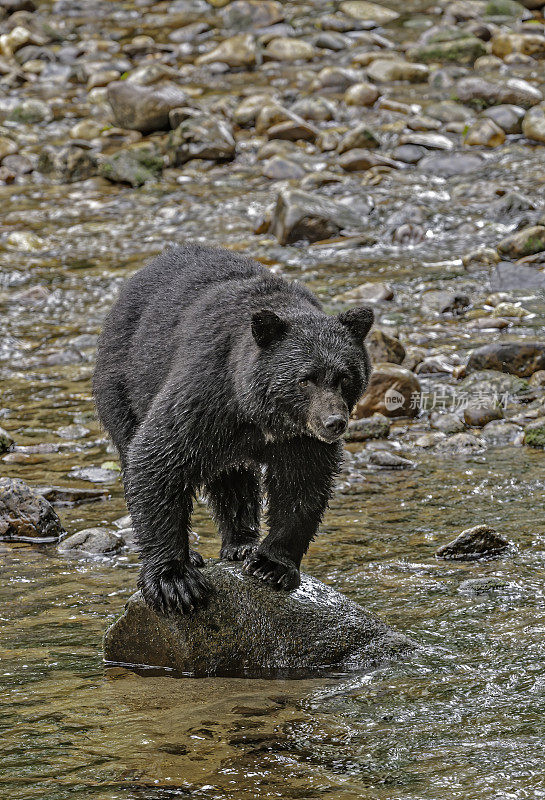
x=209 y=368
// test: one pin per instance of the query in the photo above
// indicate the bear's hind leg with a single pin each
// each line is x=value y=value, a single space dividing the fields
x=235 y=501
x=115 y=412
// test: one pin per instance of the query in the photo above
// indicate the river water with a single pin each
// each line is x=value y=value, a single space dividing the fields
x=464 y=717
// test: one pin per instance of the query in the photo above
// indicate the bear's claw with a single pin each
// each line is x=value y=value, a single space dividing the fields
x=177 y=587
x=195 y=559
x=237 y=552
x=275 y=573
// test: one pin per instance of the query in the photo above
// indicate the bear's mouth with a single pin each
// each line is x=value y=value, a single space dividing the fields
x=319 y=430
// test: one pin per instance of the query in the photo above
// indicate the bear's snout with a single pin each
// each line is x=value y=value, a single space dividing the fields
x=328 y=416
x=336 y=424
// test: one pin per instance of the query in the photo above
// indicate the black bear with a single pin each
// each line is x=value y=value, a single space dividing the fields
x=209 y=369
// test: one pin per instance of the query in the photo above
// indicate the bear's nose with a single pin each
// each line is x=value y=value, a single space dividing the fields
x=335 y=424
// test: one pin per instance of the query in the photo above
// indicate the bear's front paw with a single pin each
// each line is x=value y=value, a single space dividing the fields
x=174 y=587
x=195 y=559
x=237 y=552
x=279 y=575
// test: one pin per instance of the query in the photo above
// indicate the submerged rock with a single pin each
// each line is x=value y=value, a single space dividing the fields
x=464 y=50
x=482 y=93
x=447 y=166
x=482 y=585
x=25 y=516
x=250 y=630
x=477 y=542
x=68 y=163
x=71 y=496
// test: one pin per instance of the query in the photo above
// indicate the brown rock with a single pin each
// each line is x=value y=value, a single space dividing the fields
x=485 y=133
x=357 y=160
x=516 y=358
x=384 y=348
x=361 y=94
x=529 y=44
x=392 y=391
x=25 y=516
x=477 y=416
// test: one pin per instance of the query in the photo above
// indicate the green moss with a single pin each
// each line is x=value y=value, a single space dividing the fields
x=504 y=8
x=534 y=434
x=462 y=51
x=134 y=167
x=534 y=244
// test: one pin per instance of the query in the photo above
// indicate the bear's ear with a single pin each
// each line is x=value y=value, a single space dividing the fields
x=267 y=327
x=359 y=321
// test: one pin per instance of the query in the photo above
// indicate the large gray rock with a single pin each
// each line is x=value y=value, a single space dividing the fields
x=248 y=629
x=513 y=91
x=25 y=516
x=201 y=136
x=478 y=542
x=144 y=108
x=300 y=215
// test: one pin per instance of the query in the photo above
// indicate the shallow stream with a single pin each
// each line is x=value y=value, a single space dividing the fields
x=464 y=718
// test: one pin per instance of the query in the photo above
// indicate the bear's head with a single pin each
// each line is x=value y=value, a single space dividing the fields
x=308 y=371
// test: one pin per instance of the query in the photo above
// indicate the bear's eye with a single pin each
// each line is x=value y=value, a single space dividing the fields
x=306 y=381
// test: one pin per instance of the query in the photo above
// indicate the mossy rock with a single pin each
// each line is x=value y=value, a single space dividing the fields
x=461 y=51
x=134 y=167
x=534 y=433
x=504 y=8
